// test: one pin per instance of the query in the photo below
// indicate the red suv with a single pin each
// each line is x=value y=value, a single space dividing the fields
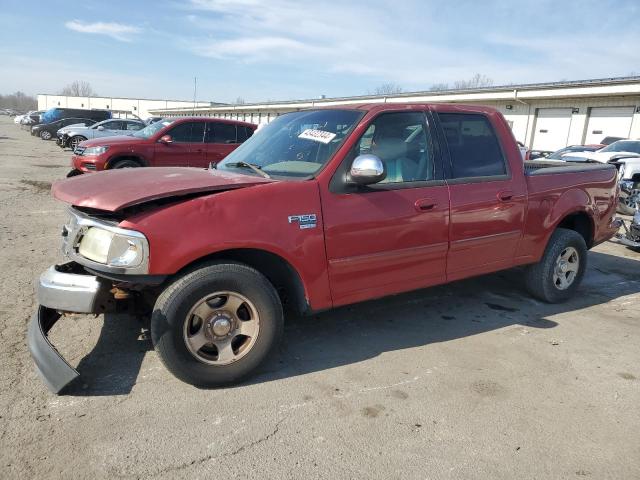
x=184 y=142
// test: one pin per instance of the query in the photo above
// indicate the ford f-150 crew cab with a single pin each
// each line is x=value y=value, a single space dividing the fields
x=320 y=208
x=184 y=142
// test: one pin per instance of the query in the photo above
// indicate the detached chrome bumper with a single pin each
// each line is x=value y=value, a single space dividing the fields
x=62 y=288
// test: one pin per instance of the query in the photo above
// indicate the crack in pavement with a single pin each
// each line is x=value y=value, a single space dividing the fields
x=207 y=458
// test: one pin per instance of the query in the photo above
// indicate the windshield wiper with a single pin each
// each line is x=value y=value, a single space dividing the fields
x=253 y=167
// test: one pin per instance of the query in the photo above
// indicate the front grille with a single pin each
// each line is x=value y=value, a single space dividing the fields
x=89 y=166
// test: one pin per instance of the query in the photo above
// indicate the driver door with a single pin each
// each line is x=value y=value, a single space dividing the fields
x=392 y=236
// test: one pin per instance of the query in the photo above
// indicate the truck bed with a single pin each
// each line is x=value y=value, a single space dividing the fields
x=542 y=167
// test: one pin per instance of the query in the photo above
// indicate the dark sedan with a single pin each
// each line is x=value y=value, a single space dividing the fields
x=47 y=131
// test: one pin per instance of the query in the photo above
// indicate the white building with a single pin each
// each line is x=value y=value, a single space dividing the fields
x=544 y=116
x=120 y=106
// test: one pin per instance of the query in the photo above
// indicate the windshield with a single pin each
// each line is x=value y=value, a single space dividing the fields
x=296 y=144
x=152 y=129
x=623 y=146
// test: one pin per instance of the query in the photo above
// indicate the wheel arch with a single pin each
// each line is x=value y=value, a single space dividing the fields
x=581 y=222
x=126 y=156
x=282 y=275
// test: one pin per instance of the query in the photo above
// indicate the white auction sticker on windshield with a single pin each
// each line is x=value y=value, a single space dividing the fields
x=317 y=135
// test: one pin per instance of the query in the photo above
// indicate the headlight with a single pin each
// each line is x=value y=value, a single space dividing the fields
x=95 y=150
x=113 y=249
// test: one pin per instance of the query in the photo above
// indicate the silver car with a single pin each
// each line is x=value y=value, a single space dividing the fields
x=106 y=128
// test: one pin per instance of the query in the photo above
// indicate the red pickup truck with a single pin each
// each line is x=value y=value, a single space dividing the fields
x=320 y=208
x=183 y=142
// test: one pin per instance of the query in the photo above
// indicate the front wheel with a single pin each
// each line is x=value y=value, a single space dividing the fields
x=45 y=135
x=216 y=325
x=125 y=164
x=75 y=141
x=558 y=274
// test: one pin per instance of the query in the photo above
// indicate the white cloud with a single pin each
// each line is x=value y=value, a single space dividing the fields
x=417 y=43
x=117 y=31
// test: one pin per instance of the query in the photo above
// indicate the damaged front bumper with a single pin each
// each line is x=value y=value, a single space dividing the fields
x=60 y=289
x=631 y=235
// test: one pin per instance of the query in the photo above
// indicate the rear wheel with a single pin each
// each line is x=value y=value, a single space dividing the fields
x=75 y=141
x=45 y=135
x=125 y=164
x=217 y=324
x=558 y=274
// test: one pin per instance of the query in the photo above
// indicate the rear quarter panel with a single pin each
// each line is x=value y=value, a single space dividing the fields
x=554 y=196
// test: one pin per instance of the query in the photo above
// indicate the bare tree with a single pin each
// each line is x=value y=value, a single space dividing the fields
x=387 y=89
x=477 y=81
x=18 y=101
x=438 y=87
x=79 y=88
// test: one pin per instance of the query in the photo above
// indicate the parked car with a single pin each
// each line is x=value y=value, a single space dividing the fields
x=31 y=118
x=58 y=113
x=619 y=149
x=151 y=120
x=629 y=176
x=107 y=128
x=572 y=152
x=47 y=131
x=610 y=140
x=320 y=208
x=188 y=142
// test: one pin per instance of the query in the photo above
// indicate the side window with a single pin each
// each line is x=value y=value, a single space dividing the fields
x=473 y=146
x=114 y=125
x=244 y=133
x=400 y=140
x=189 y=132
x=220 y=133
x=134 y=126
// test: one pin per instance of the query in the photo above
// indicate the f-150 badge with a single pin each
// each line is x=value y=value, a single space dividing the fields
x=304 y=221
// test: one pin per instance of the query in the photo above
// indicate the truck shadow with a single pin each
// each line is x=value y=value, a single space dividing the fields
x=358 y=332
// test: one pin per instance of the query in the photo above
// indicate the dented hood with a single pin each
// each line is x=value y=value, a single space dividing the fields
x=113 y=190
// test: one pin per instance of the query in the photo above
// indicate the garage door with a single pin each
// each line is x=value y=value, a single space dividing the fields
x=552 y=129
x=608 y=122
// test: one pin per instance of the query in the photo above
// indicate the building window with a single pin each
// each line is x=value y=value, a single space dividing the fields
x=58 y=103
x=82 y=105
x=107 y=106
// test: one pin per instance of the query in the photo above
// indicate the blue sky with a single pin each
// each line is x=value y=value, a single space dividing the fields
x=280 y=49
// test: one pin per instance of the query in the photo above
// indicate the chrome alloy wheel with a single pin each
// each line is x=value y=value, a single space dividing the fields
x=221 y=328
x=566 y=268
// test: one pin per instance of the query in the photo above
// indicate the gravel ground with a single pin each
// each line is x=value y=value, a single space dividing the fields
x=469 y=380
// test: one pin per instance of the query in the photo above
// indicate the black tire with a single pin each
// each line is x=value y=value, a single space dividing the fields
x=126 y=163
x=74 y=173
x=539 y=277
x=74 y=141
x=172 y=308
x=45 y=135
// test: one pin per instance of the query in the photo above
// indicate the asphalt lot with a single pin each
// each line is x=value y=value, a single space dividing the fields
x=469 y=380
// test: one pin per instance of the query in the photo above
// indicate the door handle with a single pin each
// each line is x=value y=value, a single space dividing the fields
x=505 y=195
x=425 y=204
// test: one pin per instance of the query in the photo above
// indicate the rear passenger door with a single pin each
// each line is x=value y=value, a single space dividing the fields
x=487 y=199
x=186 y=148
x=220 y=140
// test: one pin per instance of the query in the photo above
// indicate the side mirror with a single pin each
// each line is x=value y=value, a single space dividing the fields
x=166 y=139
x=100 y=128
x=367 y=169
